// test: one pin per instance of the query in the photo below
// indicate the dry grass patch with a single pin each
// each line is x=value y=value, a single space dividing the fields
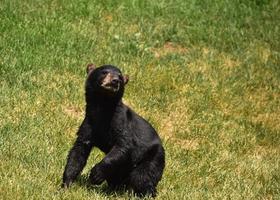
x=269 y=120
x=266 y=113
x=190 y=145
x=262 y=152
x=108 y=18
x=73 y=112
x=260 y=50
x=177 y=119
x=169 y=48
x=228 y=61
x=262 y=97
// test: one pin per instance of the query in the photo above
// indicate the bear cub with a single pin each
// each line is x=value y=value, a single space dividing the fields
x=134 y=156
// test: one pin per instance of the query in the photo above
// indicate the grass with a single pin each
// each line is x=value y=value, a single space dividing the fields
x=205 y=74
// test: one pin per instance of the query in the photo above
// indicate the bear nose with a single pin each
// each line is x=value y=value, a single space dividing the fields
x=115 y=81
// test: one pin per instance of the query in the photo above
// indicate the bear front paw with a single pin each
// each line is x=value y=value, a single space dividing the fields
x=96 y=176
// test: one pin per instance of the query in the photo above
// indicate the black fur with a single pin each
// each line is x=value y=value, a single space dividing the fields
x=134 y=154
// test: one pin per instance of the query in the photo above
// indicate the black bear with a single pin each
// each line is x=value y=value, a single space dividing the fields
x=135 y=157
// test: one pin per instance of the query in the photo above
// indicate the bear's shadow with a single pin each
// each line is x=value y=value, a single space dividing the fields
x=102 y=189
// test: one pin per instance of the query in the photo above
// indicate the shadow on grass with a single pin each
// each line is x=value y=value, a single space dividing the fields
x=102 y=189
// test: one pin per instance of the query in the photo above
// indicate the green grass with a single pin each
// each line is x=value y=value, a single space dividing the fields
x=206 y=74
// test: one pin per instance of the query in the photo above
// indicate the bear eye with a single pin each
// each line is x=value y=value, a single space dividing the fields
x=104 y=72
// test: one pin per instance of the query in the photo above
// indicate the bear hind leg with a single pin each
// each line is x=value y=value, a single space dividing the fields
x=142 y=181
x=144 y=178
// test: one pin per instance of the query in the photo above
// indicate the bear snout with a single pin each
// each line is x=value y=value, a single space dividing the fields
x=115 y=81
x=111 y=82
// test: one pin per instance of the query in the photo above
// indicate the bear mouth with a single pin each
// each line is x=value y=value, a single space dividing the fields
x=113 y=88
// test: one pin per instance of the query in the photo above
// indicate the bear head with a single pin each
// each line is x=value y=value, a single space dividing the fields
x=105 y=82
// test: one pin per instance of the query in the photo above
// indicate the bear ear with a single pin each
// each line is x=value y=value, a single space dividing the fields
x=125 y=79
x=90 y=68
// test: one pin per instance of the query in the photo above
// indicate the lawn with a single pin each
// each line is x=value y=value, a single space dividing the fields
x=206 y=74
